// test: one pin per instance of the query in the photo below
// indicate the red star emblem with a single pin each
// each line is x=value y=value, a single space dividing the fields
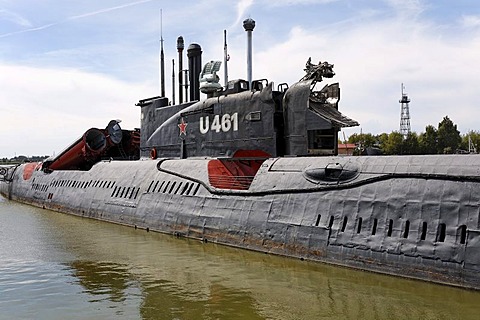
x=183 y=127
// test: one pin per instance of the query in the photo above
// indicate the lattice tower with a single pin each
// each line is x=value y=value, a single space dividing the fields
x=405 y=114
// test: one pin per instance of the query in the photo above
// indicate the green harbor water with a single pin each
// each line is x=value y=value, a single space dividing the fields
x=57 y=266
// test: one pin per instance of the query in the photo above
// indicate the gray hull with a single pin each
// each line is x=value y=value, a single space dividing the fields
x=414 y=217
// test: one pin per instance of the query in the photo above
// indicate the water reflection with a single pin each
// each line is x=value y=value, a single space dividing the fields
x=162 y=299
x=104 y=279
x=128 y=273
x=168 y=301
x=186 y=279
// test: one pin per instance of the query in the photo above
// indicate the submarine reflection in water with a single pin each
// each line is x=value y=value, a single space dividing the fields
x=188 y=279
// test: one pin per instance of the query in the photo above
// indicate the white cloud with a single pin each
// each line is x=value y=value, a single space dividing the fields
x=374 y=49
x=242 y=7
x=282 y=3
x=407 y=8
x=470 y=21
x=14 y=17
x=42 y=27
x=30 y=28
x=373 y=58
x=44 y=110
x=109 y=9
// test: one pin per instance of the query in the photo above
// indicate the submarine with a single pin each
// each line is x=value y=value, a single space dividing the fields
x=255 y=166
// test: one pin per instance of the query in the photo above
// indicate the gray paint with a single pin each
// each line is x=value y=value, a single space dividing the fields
x=279 y=213
x=250 y=134
x=412 y=216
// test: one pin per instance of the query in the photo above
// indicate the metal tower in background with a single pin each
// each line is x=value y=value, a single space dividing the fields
x=405 y=114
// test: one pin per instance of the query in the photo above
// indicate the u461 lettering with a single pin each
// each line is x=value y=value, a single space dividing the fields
x=224 y=123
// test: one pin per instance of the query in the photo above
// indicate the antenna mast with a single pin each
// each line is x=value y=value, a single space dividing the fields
x=162 y=60
x=180 y=47
x=226 y=57
x=405 y=114
x=173 y=81
x=249 y=25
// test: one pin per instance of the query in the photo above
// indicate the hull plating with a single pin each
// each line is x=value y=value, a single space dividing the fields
x=405 y=216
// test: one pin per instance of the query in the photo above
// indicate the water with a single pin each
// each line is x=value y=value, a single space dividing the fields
x=57 y=266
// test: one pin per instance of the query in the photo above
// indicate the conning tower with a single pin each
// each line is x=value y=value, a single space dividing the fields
x=248 y=118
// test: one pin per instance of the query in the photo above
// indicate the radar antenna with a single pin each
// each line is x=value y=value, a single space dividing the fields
x=209 y=81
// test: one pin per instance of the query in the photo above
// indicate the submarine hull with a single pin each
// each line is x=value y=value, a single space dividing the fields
x=415 y=216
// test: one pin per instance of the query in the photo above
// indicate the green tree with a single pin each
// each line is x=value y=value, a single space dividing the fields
x=382 y=139
x=448 y=136
x=428 y=140
x=394 y=143
x=470 y=138
x=363 y=139
x=411 y=144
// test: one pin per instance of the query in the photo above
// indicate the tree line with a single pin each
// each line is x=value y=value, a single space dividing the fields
x=22 y=159
x=444 y=139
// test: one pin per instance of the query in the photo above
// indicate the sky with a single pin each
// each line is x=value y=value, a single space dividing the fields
x=70 y=65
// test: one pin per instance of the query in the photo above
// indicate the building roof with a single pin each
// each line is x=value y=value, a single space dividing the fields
x=346 y=145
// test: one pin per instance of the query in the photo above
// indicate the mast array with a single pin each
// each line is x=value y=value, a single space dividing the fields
x=162 y=60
